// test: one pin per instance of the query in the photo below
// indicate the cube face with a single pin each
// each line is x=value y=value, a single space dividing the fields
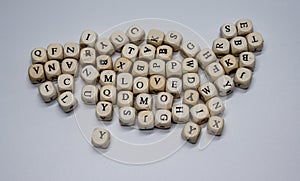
x=88 y=38
x=164 y=52
x=65 y=82
x=214 y=71
x=174 y=86
x=143 y=102
x=180 y=113
x=104 y=62
x=157 y=67
x=104 y=111
x=52 y=70
x=90 y=94
x=199 y=114
x=125 y=98
x=145 y=120
x=244 y=27
x=119 y=40
x=108 y=77
x=190 y=65
x=155 y=37
x=164 y=100
x=135 y=34
x=108 y=93
x=191 y=97
x=124 y=82
x=215 y=106
x=127 y=116
x=147 y=52
x=229 y=64
x=140 y=85
x=207 y=91
x=228 y=31
x=247 y=60
x=130 y=51
x=48 y=91
x=238 y=45
x=87 y=56
x=191 y=81
x=104 y=47
x=189 y=48
x=157 y=83
x=173 y=69
x=205 y=57
x=140 y=69
x=122 y=65
x=173 y=39
x=69 y=66
x=36 y=73
x=163 y=119
x=221 y=47
x=242 y=78
x=71 y=50
x=215 y=125
x=225 y=85
x=100 y=138
x=191 y=132
x=255 y=42
x=89 y=74
x=55 y=51
x=39 y=55
x=67 y=101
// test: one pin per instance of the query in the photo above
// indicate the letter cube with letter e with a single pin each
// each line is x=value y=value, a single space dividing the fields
x=191 y=132
x=244 y=27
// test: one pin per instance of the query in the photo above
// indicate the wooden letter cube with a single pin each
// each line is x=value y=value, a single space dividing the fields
x=145 y=120
x=155 y=37
x=189 y=49
x=174 y=86
x=164 y=52
x=65 y=82
x=163 y=119
x=130 y=51
x=191 y=132
x=174 y=39
x=88 y=38
x=164 y=100
x=215 y=106
x=104 y=47
x=190 y=65
x=180 y=113
x=199 y=113
x=255 y=42
x=104 y=62
x=122 y=65
x=48 y=91
x=108 y=93
x=104 y=111
x=244 y=27
x=140 y=68
x=36 y=73
x=100 y=138
x=207 y=91
x=125 y=98
x=190 y=81
x=191 y=97
x=140 y=85
x=157 y=83
x=143 y=102
x=67 y=101
x=124 y=82
x=247 y=60
x=242 y=78
x=119 y=40
x=52 y=70
x=205 y=57
x=135 y=34
x=89 y=74
x=127 y=116
x=69 y=66
x=55 y=51
x=147 y=52
x=221 y=47
x=157 y=67
x=229 y=63
x=214 y=71
x=71 y=50
x=39 y=55
x=90 y=94
x=108 y=77
x=238 y=45
x=225 y=85
x=87 y=56
x=228 y=31
x=215 y=125
x=173 y=68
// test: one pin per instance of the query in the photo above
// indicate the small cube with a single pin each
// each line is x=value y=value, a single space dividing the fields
x=119 y=40
x=191 y=97
x=180 y=113
x=52 y=69
x=90 y=94
x=191 y=132
x=221 y=47
x=104 y=47
x=164 y=52
x=124 y=82
x=238 y=45
x=147 y=52
x=174 y=86
x=125 y=98
x=122 y=65
x=145 y=120
x=225 y=85
x=71 y=50
x=157 y=83
x=243 y=77
x=205 y=57
x=89 y=74
x=69 y=66
x=228 y=31
x=244 y=27
x=247 y=60
x=100 y=138
x=189 y=49
x=173 y=39
x=135 y=34
x=108 y=77
x=67 y=101
x=163 y=119
x=155 y=37
x=55 y=51
x=127 y=116
x=215 y=106
x=88 y=38
x=173 y=69
x=190 y=81
x=157 y=67
x=36 y=73
x=229 y=63
x=255 y=42
x=39 y=55
x=207 y=91
x=104 y=111
x=214 y=71
x=104 y=62
x=190 y=65
x=143 y=102
x=108 y=93
x=140 y=69
x=48 y=91
x=199 y=113
x=164 y=100
x=130 y=51
x=87 y=56
x=215 y=125
x=140 y=85
x=65 y=82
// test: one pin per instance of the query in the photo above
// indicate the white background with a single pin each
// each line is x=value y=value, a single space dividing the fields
x=261 y=137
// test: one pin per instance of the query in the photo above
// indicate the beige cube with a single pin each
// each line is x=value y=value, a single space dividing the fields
x=108 y=93
x=127 y=116
x=147 y=52
x=225 y=85
x=244 y=27
x=108 y=77
x=163 y=119
x=104 y=47
x=173 y=69
x=39 y=55
x=228 y=31
x=199 y=113
x=65 y=82
x=88 y=38
x=55 y=51
x=174 y=86
x=180 y=113
x=173 y=39
x=238 y=45
x=140 y=85
x=190 y=97
x=242 y=78
x=104 y=111
x=157 y=83
x=140 y=69
x=207 y=91
x=190 y=81
x=119 y=40
x=89 y=74
x=205 y=57
x=164 y=100
x=164 y=52
x=229 y=63
x=100 y=138
x=214 y=71
x=191 y=132
x=157 y=67
x=36 y=73
x=221 y=47
x=87 y=56
x=71 y=50
x=215 y=125
x=189 y=48
x=48 y=91
x=255 y=42
x=104 y=62
x=130 y=51
x=145 y=120
x=135 y=34
x=190 y=65
x=247 y=60
x=125 y=98
x=155 y=37
x=143 y=102
x=52 y=70
x=67 y=101
x=122 y=65
x=124 y=82
x=69 y=66
x=215 y=106
x=90 y=94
